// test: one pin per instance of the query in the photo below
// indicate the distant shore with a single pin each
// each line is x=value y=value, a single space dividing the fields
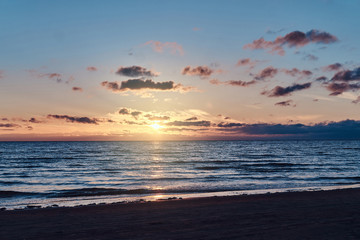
x=331 y=214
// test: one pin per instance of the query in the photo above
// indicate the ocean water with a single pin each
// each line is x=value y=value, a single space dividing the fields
x=73 y=173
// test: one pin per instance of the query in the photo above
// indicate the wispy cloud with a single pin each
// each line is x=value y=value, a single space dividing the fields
x=188 y=123
x=286 y=103
x=159 y=47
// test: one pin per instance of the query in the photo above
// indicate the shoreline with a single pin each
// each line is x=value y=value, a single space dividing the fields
x=110 y=199
x=332 y=214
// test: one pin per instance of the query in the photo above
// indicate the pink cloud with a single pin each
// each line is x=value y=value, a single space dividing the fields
x=159 y=47
x=91 y=69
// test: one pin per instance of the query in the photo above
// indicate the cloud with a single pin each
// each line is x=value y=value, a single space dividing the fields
x=192 y=119
x=77 y=89
x=247 y=62
x=1 y=74
x=156 y=118
x=185 y=124
x=285 y=103
x=240 y=83
x=34 y=120
x=9 y=125
x=195 y=29
x=237 y=83
x=332 y=67
x=292 y=39
x=268 y=72
x=340 y=82
x=91 y=69
x=285 y=91
x=310 y=57
x=347 y=129
x=124 y=111
x=135 y=114
x=339 y=88
x=159 y=47
x=139 y=84
x=135 y=71
x=202 y=71
x=229 y=125
x=296 y=72
x=75 y=119
x=347 y=75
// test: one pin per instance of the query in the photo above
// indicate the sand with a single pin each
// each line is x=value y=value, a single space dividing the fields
x=294 y=215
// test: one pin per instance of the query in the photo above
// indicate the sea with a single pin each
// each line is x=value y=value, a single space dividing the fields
x=51 y=174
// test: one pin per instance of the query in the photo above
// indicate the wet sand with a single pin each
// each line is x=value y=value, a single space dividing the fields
x=294 y=215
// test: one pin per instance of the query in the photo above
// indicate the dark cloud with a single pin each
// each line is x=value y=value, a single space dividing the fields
x=156 y=118
x=139 y=84
x=75 y=119
x=292 y=39
x=240 y=83
x=77 y=89
x=135 y=71
x=296 y=72
x=91 y=69
x=34 y=120
x=9 y=125
x=229 y=125
x=192 y=119
x=124 y=111
x=134 y=114
x=348 y=129
x=339 y=88
x=321 y=78
x=268 y=72
x=184 y=124
x=5 y=119
x=284 y=91
x=342 y=81
x=286 y=103
x=332 y=67
x=202 y=71
x=347 y=75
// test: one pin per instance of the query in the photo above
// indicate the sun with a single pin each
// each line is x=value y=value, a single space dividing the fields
x=156 y=126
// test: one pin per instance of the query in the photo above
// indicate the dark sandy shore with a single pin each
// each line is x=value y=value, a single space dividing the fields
x=295 y=215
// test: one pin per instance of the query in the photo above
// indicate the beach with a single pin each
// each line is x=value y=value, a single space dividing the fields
x=291 y=215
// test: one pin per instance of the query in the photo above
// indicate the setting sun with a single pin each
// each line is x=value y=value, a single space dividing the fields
x=156 y=126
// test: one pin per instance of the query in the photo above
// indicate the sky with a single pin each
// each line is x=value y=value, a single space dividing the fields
x=179 y=70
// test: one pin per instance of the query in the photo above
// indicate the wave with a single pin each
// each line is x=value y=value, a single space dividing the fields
x=7 y=194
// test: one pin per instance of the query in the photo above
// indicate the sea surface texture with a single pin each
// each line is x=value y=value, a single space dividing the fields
x=72 y=173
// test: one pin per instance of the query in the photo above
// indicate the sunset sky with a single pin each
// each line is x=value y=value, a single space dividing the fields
x=179 y=70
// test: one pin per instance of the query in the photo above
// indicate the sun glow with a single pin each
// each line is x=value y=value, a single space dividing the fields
x=156 y=126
